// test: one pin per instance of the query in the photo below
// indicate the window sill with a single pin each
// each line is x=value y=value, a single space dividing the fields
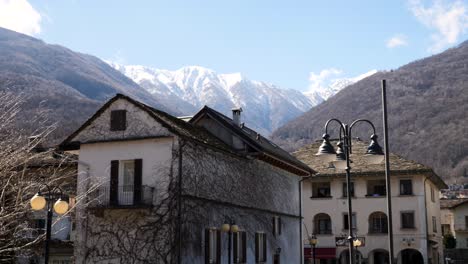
x=408 y=228
x=406 y=195
x=377 y=234
x=330 y=234
x=346 y=197
x=321 y=198
x=375 y=196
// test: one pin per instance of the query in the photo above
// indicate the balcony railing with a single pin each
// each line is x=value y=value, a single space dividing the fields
x=120 y=196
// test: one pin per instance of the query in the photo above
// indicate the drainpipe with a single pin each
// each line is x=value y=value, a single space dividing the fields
x=425 y=219
x=300 y=219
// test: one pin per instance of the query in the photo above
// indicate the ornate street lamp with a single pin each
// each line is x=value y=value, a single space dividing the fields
x=313 y=241
x=357 y=243
x=230 y=229
x=45 y=200
x=340 y=159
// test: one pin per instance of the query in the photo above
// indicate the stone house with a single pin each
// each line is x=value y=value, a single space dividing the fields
x=163 y=189
x=415 y=206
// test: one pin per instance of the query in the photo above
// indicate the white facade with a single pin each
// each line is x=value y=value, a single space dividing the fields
x=420 y=203
x=456 y=218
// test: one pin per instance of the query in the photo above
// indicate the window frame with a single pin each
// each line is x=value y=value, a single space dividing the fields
x=373 y=193
x=382 y=225
x=345 y=221
x=434 y=224
x=260 y=247
x=317 y=228
x=410 y=187
x=432 y=194
x=402 y=220
x=213 y=240
x=240 y=247
x=315 y=190
x=345 y=190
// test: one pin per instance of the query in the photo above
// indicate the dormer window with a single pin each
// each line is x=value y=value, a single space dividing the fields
x=118 y=120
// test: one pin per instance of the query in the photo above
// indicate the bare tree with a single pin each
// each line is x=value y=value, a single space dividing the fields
x=22 y=170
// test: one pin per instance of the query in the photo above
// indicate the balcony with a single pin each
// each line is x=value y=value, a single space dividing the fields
x=127 y=196
x=461 y=228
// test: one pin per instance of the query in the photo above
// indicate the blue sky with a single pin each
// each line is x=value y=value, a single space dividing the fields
x=294 y=44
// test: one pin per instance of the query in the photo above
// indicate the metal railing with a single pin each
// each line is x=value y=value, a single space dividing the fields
x=121 y=196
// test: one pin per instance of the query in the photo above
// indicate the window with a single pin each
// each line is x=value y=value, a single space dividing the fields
x=40 y=226
x=434 y=224
x=445 y=229
x=260 y=247
x=320 y=189
x=118 y=120
x=345 y=221
x=406 y=187
x=378 y=223
x=126 y=182
x=322 y=224
x=345 y=189
x=212 y=246
x=432 y=194
x=407 y=219
x=276 y=226
x=240 y=247
x=376 y=188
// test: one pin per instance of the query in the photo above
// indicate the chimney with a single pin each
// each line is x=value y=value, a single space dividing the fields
x=236 y=116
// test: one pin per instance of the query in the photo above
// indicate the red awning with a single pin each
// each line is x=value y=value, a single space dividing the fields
x=320 y=253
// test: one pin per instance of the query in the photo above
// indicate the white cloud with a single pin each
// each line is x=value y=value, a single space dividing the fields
x=396 y=41
x=448 y=20
x=20 y=16
x=323 y=78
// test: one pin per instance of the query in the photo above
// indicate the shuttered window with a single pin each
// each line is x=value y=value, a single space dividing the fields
x=118 y=120
x=212 y=246
x=240 y=247
x=260 y=247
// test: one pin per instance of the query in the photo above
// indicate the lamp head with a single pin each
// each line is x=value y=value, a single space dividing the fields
x=225 y=228
x=340 y=162
x=357 y=242
x=60 y=207
x=326 y=152
x=234 y=228
x=38 y=202
x=313 y=240
x=374 y=154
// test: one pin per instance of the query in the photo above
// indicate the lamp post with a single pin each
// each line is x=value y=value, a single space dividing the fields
x=357 y=243
x=313 y=242
x=230 y=229
x=44 y=200
x=340 y=159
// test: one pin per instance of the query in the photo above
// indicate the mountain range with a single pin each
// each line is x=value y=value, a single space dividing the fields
x=265 y=106
x=427 y=112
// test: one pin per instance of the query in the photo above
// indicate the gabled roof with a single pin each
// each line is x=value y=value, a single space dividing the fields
x=452 y=203
x=173 y=124
x=265 y=148
x=359 y=166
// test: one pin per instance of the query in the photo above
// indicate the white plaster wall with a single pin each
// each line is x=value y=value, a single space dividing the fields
x=461 y=232
x=447 y=218
x=364 y=206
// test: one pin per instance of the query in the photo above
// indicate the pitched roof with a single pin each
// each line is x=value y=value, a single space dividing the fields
x=398 y=165
x=198 y=134
x=253 y=139
x=173 y=124
x=452 y=203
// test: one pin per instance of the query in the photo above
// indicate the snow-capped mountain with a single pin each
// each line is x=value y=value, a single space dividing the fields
x=321 y=93
x=265 y=106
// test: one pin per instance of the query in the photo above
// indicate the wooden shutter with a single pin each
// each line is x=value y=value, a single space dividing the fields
x=114 y=182
x=137 y=182
x=274 y=226
x=279 y=225
x=235 y=247
x=207 y=246
x=257 y=247
x=244 y=247
x=264 y=248
x=218 y=246
x=118 y=120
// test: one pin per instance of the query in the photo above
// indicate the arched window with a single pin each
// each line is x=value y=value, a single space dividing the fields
x=322 y=224
x=378 y=223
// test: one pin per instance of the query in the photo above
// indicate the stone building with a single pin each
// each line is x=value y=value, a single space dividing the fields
x=415 y=200
x=167 y=190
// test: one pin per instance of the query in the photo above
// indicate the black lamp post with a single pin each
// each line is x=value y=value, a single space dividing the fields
x=340 y=158
x=44 y=200
x=313 y=242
